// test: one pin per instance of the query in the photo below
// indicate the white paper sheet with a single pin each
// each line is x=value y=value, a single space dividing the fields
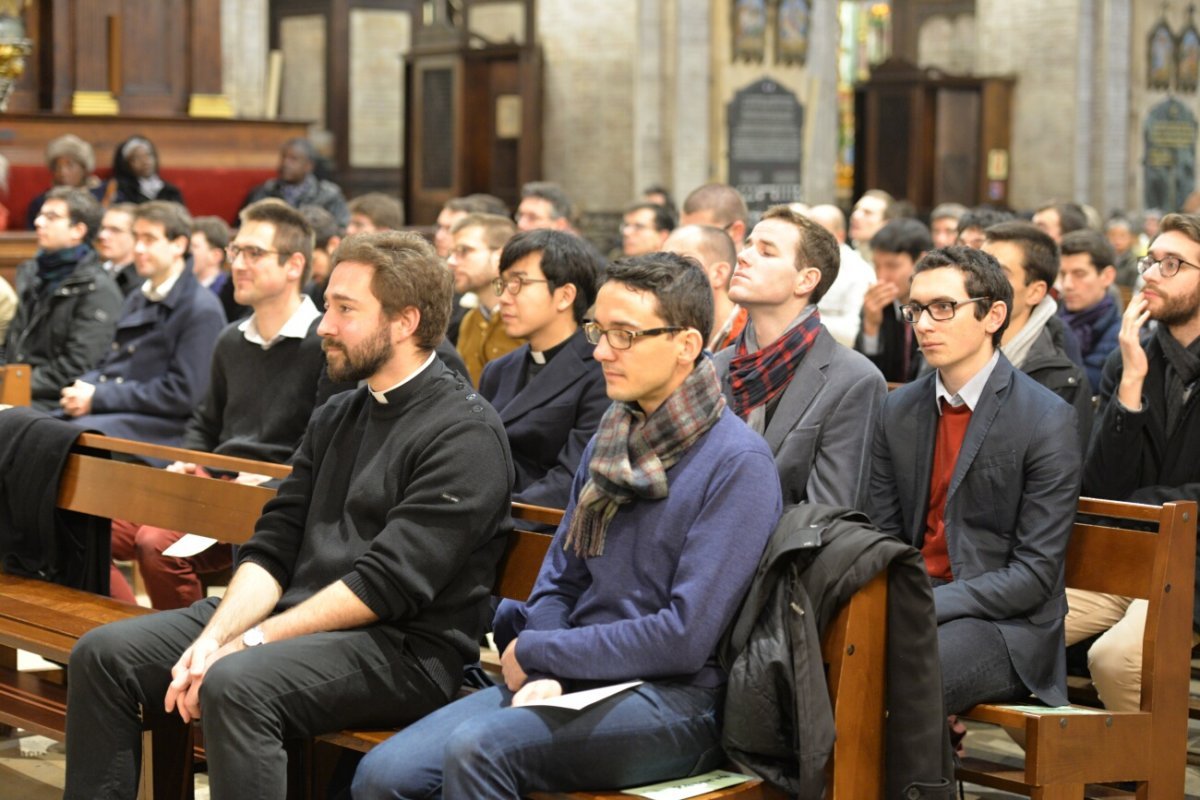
x=189 y=544
x=577 y=701
x=689 y=787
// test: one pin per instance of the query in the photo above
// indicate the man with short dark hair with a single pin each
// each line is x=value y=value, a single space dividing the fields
x=639 y=583
x=872 y=211
x=210 y=238
x=475 y=263
x=644 y=228
x=810 y=397
x=114 y=243
x=1146 y=440
x=67 y=307
x=943 y=223
x=884 y=337
x=1087 y=271
x=719 y=205
x=261 y=392
x=975 y=464
x=296 y=184
x=155 y=371
x=544 y=205
x=374 y=212
x=971 y=225
x=455 y=209
x=326 y=238
x=365 y=587
x=713 y=249
x=549 y=392
x=1056 y=220
x=1035 y=339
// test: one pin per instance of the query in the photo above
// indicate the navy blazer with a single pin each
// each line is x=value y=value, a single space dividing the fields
x=551 y=420
x=1009 y=510
x=156 y=370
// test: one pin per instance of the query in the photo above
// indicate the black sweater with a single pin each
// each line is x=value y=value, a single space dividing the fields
x=408 y=504
x=258 y=401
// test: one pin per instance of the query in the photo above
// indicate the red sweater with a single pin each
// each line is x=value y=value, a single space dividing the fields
x=952 y=429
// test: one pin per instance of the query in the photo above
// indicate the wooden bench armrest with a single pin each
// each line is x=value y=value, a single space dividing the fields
x=146 y=450
x=15 y=385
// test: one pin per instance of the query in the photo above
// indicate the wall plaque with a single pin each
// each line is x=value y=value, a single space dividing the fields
x=766 y=126
x=1170 y=160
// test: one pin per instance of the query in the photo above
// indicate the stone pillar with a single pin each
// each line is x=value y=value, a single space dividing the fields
x=690 y=143
x=648 y=97
x=244 y=47
x=1111 y=185
x=820 y=106
x=1086 y=107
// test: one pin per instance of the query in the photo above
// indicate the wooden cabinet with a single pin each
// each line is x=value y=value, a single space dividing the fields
x=930 y=138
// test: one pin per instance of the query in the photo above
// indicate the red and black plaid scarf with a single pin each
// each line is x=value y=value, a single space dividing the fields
x=757 y=378
x=633 y=453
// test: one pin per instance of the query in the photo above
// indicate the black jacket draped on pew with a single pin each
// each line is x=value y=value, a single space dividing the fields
x=778 y=719
x=37 y=539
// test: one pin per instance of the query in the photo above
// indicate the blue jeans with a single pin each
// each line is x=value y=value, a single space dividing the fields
x=976 y=667
x=480 y=747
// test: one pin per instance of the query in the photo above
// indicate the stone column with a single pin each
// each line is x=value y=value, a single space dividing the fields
x=1112 y=188
x=690 y=142
x=820 y=106
x=648 y=98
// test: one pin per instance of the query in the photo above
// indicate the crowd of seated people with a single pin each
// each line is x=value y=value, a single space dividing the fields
x=673 y=400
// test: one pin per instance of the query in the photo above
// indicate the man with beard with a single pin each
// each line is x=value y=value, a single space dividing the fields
x=1148 y=434
x=365 y=587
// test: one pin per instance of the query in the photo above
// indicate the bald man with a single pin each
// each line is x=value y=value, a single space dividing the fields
x=841 y=306
x=714 y=249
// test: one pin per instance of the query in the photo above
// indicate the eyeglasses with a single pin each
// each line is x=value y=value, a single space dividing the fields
x=251 y=253
x=514 y=285
x=1167 y=265
x=52 y=216
x=619 y=339
x=939 y=310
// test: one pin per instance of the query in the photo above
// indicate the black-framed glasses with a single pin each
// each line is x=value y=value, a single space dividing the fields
x=939 y=310
x=620 y=339
x=514 y=285
x=251 y=253
x=1167 y=265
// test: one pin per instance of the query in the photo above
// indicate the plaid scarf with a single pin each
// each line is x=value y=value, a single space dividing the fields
x=633 y=453
x=757 y=378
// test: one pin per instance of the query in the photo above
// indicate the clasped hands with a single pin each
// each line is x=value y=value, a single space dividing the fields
x=525 y=691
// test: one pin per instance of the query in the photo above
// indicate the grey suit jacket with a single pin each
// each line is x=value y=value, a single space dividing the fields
x=821 y=430
x=1008 y=516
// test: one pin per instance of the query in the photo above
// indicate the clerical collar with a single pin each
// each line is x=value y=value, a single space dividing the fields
x=543 y=357
x=381 y=397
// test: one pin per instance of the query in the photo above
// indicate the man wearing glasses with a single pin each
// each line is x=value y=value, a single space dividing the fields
x=668 y=517
x=977 y=465
x=549 y=392
x=474 y=261
x=812 y=399
x=1147 y=437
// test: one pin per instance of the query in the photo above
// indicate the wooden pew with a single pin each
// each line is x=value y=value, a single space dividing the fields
x=1070 y=748
x=47 y=619
x=15 y=389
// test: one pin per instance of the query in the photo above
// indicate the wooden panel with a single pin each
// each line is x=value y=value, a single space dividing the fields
x=519 y=568
x=145 y=450
x=196 y=143
x=1112 y=560
x=221 y=509
x=204 y=47
x=152 y=57
x=15 y=387
x=15 y=247
x=90 y=23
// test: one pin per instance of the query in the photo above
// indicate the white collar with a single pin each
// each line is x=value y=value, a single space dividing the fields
x=164 y=289
x=381 y=397
x=971 y=391
x=295 y=328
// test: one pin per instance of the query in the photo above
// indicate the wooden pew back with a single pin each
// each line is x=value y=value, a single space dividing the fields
x=1108 y=552
x=15 y=389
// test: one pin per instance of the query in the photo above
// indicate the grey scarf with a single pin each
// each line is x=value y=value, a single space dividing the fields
x=1183 y=368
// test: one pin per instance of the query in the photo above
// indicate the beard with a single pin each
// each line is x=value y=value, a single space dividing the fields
x=1178 y=309
x=358 y=363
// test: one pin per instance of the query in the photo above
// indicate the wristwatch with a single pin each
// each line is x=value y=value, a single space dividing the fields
x=253 y=637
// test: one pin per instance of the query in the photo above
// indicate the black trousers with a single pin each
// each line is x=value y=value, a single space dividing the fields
x=250 y=701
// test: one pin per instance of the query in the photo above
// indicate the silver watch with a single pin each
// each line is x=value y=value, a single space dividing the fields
x=253 y=637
